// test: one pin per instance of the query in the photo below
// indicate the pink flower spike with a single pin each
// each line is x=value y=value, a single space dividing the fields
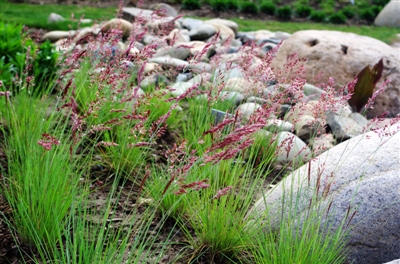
x=222 y=192
x=48 y=141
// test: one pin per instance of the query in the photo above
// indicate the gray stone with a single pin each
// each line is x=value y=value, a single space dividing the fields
x=396 y=261
x=54 y=18
x=228 y=23
x=306 y=126
x=389 y=15
x=342 y=56
x=202 y=32
x=117 y=23
x=181 y=88
x=321 y=143
x=275 y=125
x=247 y=109
x=256 y=99
x=181 y=77
x=245 y=37
x=361 y=175
x=191 y=23
x=153 y=80
x=200 y=78
x=282 y=35
x=130 y=13
x=313 y=92
x=245 y=87
x=55 y=35
x=199 y=67
x=344 y=127
x=291 y=149
x=168 y=61
x=165 y=9
x=235 y=97
x=181 y=53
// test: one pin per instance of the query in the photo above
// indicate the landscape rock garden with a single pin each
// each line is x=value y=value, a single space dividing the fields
x=352 y=159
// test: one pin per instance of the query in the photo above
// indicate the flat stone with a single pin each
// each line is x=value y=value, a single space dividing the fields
x=202 y=32
x=191 y=23
x=168 y=61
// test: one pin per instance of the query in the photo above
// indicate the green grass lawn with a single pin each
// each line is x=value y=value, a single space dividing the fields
x=36 y=16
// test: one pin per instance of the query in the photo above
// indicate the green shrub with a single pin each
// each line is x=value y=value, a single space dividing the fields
x=232 y=4
x=268 y=8
x=250 y=7
x=318 y=16
x=303 y=10
x=191 y=4
x=349 y=11
x=380 y=2
x=369 y=14
x=328 y=7
x=376 y=9
x=219 y=5
x=284 y=12
x=337 y=18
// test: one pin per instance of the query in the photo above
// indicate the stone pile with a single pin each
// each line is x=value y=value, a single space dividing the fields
x=190 y=46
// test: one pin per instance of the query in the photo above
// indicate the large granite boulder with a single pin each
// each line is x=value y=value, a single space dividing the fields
x=357 y=180
x=389 y=15
x=342 y=56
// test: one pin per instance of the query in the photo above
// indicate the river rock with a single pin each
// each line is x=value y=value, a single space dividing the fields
x=247 y=109
x=361 y=175
x=202 y=32
x=218 y=21
x=291 y=149
x=54 y=18
x=164 y=9
x=55 y=35
x=121 y=24
x=342 y=56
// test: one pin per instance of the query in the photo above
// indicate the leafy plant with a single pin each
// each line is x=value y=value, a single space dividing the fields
x=268 y=8
x=284 y=12
x=364 y=88
x=318 y=16
x=337 y=18
x=45 y=64
x=303 y=10
x=17 y=52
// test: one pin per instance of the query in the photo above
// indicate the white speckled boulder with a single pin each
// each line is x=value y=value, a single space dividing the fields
x=363 y=173
x=342 y=56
